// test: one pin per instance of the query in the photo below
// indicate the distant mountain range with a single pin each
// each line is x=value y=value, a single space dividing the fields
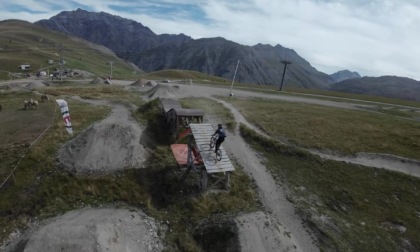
x=385 y=86
x=259 y=64
x=344 y=75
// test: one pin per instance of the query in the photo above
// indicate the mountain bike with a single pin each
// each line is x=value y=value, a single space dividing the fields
x=213 y=141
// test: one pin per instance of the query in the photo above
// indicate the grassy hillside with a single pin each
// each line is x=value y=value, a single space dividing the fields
x=346 y=131
x=25 y=43
x=175 y=74
x=365 y=97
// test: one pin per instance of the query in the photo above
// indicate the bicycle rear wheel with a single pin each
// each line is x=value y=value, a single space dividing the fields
x=219 y=155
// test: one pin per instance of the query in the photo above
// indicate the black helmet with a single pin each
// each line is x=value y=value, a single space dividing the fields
x=219 y=125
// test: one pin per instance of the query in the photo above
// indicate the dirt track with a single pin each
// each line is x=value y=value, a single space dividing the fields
x=291 y=235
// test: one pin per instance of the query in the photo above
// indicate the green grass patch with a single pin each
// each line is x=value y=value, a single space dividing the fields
x=326 y=128
x=360 y=97
x=37 y=182
x=176 y=74
x=94 y=91
x=378 y=213
x=399 y=112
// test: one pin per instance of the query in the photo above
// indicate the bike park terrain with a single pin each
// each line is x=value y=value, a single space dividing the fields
x=115 y=143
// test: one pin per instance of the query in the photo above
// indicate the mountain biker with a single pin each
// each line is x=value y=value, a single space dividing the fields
x=221 y=132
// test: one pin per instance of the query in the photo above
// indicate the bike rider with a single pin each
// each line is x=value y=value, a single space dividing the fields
x=221 y=132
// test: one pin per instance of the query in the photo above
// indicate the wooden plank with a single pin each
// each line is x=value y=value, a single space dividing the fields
x=207 y=141
x=203 y=139
x=210 y=170
x=202 y=135
x=203 y=131
x=220 y=166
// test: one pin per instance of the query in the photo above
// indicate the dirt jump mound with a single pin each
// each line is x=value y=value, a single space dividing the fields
x=35 y=84
x=95 y=230
x=110 y=145
x=163 y=91
x=97 y=80
x=143 y=83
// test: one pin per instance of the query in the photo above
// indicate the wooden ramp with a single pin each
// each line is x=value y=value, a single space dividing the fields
x=202 y=134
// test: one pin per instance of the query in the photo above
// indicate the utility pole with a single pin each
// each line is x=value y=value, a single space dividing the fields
x=110 y=64
x=61 y=61
x=285 y=62
x=233 y=80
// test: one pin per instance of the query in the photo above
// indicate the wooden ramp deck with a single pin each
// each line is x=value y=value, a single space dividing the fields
x=202 y=134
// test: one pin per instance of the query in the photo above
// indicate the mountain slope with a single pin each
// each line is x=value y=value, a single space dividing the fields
x=386 y=86
x=114 y=32
x=25 y=43
x=260 y=64
x=344 y=75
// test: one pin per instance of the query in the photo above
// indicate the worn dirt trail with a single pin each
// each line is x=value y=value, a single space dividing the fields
x=272 y=195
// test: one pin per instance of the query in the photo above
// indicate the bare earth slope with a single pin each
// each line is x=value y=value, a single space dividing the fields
x=109 y=145
x=97 y=230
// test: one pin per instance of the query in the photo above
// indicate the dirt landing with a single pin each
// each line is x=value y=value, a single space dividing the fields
x=259 y=232
x=110 y=145
x=95 y=230
x=164 y=91
x=273 y=197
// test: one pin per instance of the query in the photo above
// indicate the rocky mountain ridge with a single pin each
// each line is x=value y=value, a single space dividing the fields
x=344 y=75
x=259 y=64
x=384 y=86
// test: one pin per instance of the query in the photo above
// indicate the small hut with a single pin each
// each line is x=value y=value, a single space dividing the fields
x=176 y=116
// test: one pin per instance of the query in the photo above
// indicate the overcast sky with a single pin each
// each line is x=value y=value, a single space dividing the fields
x=372 y=37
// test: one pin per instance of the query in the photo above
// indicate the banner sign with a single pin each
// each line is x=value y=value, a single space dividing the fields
x=66 y=115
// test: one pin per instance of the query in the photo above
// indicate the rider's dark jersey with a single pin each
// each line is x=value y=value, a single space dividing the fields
x=221 y=133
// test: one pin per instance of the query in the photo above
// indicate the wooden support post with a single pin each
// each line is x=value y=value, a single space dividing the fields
x=190 y=162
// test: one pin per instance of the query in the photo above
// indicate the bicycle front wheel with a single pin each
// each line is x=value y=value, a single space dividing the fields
x=212 y=142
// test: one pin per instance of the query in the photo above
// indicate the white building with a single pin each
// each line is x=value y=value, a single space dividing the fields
x=25 y=67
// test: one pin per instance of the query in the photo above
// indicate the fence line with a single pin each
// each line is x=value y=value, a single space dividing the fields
x=30 y=146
